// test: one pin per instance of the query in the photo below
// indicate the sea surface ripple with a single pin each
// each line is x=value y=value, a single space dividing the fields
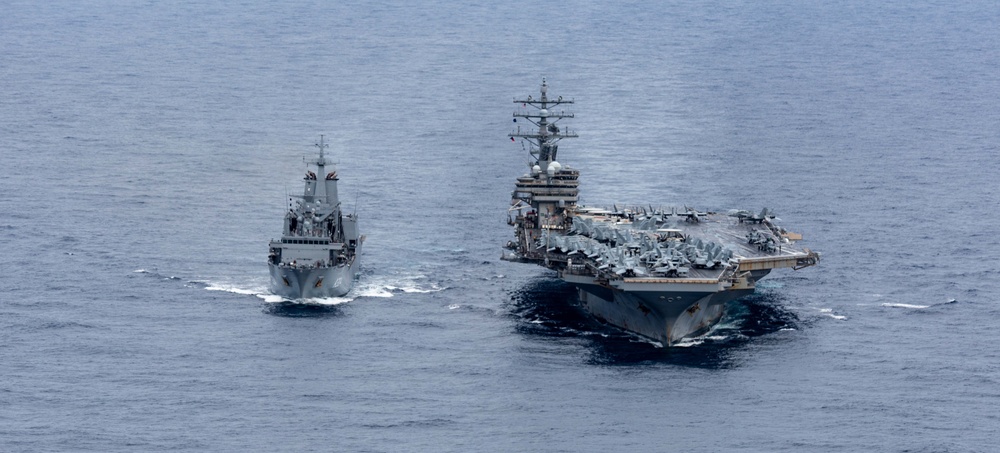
x=146 y=149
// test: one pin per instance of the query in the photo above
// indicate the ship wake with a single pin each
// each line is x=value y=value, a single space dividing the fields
x=367 y=287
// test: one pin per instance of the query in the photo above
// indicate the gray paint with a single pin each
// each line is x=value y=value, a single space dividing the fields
x=318 y=254
x=664 y=273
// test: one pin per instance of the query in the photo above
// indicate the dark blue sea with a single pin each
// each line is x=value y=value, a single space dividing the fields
x=146 y=149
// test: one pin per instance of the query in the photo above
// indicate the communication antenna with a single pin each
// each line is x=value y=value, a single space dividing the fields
x=321 y=146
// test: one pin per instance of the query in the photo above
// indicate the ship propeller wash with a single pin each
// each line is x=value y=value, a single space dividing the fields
x=663 y=273
x=318 y=254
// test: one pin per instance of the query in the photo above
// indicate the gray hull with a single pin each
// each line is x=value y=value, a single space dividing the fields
x=667 y=323
x=666 y=317
x=293 y=283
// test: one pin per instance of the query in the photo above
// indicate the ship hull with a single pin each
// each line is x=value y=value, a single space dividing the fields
x=664 y=316
x=323 y=282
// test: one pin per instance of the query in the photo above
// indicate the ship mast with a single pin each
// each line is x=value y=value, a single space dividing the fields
x=321 y=187
x=321 y=147
x=544 y=142
x=550 y=193
x=320 y=163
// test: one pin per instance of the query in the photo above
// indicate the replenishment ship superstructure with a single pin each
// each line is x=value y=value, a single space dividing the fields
x=318 y=254
x=663 y=273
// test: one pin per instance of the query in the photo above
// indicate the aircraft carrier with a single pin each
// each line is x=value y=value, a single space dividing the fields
x=665 y=273
x=318 y=254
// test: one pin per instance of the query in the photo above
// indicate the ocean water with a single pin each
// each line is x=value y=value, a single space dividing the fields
x=146 y=149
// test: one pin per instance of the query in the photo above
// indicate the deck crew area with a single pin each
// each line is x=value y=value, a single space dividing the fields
x=665 y=246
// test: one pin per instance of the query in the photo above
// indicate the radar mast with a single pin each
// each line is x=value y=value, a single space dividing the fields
x=544 y=142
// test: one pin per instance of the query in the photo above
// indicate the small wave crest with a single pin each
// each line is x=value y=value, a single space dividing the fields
x=895 y=305
x=917 y=306
x=829 y=312
x=149 y=273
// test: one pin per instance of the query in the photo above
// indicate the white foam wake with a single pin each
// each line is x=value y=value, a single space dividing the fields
x=261 y=292
x=688 y=342
x=380 y=287
x=229 y=287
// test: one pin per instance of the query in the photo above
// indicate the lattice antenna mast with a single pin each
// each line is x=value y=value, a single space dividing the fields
x=543 y=142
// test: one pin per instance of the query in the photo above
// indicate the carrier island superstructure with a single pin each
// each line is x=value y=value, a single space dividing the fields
x=318 y=254
x=665 y=273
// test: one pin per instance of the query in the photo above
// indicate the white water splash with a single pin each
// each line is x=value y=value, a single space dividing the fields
x=329 y=301
x=271 y=298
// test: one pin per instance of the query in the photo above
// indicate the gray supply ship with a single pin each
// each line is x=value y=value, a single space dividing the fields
x=318 y=254
x=663 y=273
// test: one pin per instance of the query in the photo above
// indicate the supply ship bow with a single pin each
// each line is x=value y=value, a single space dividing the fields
x=665 y=273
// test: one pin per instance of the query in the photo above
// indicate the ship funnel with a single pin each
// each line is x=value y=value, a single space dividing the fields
x=331 y=189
